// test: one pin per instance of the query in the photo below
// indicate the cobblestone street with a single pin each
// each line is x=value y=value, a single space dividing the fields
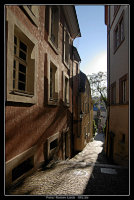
x=88 y=173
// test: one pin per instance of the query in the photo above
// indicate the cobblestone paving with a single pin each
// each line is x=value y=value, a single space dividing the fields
x=77 y=176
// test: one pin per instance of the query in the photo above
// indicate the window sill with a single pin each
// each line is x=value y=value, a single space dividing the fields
x=53 y=102
x=53 y=46
x=18 y=97
x=22 y=94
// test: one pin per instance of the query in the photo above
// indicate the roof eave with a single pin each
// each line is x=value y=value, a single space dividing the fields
x=71 y=18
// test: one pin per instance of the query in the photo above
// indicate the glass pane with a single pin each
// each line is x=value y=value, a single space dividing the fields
x=14 y=49
x=22 y=55
x=14 y=74
x=13 y=83
x=22 y=68
x=15 y=40
x=21 y=86
x=14 y=64
x=22 y=77
x=23 y=46
x=51 y=72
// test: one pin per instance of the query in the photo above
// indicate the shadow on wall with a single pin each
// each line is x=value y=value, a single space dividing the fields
x=33 y=126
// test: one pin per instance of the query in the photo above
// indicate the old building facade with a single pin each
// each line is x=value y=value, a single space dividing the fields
x=38 y=112
x=85 y=114
x=117 y=137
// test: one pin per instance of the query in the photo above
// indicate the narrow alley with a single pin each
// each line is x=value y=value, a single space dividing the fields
x=88 y=173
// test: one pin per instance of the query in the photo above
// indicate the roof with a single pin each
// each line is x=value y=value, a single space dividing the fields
x=71 y=18
x=76 y=54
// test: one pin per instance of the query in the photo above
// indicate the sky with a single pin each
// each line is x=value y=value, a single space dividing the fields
x=92 y=45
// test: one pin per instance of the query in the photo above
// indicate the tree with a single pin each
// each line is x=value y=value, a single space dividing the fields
x=98 y=83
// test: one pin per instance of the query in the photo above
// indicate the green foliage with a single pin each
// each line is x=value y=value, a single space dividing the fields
x=98 y=83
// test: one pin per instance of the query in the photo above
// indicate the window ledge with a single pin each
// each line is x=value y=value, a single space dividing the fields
x=22 y=94
x=53 y=102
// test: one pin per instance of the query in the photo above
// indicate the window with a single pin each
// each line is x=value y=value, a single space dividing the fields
x=113 y=93
x=54 y=144
x=53 y=26
x=65 y=88
x=21 y=64
x=116 y=38
x=119 y=33
x=22 y=168
x=123 y=90
x=53 y=82
x=66 y=46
